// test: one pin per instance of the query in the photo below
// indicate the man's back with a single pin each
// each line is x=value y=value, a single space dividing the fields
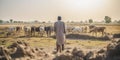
x=59 y=27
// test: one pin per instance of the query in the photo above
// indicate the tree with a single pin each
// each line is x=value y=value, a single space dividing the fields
x=11 y=20
x=43 y=22
x=90 y=20
x=36 y=21
x=15 y=21
x=7 y=21
x=107 y=19
x=118 y=21
x=1 y=21
x=81 y=21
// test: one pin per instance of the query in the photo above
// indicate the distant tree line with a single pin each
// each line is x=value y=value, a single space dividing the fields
x=1 y=21
x=107 y=19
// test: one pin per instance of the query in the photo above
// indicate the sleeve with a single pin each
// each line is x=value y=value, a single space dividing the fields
x=64 y=27
x=55 y=27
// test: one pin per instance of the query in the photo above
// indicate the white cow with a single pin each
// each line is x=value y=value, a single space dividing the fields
x=77 y=29
x=11 y=29
x=27 y=30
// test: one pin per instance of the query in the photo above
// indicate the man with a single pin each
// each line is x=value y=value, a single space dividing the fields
x=59 y=28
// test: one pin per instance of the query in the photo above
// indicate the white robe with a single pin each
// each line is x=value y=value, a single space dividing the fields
x=59 y=28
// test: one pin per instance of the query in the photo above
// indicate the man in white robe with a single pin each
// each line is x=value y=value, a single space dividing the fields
x=59 y=28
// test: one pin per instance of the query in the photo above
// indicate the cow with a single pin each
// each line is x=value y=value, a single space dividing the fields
x=27 y=30
x=69 y=29
x=40 y=30
x=85 y=29
x=10 y=31
x=33 y=29
x=49 y=30
x=77 y=29
x=95 y=29
x=18 y=29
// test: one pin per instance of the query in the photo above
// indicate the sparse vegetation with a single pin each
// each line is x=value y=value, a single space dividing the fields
x=107 y=19
x=48 y=44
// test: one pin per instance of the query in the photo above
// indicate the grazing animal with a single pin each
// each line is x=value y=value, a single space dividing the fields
x=33 y=28
x=69 y=29
x=18 y=29
x=27 y=30
x=95 y=29
x=10 y=31
x=85 y=29
x=41 y=30
x=49 y=30
x=77 y=29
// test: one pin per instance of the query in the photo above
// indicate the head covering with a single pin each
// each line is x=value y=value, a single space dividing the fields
x=59 y=17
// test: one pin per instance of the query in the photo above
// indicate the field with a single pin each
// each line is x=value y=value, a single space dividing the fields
x=44 y=41
x=49 y=43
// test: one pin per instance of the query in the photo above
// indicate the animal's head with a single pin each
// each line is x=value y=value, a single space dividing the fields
x=91 y=26
x=92 y=29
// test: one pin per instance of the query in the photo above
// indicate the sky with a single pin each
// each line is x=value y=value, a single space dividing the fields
x=48 y=10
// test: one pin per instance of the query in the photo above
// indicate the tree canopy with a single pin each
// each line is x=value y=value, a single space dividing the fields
x=107 y=19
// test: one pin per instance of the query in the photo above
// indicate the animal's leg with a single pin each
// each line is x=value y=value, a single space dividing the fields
x=42 y=33
x=102 y=34
x=47 y=33
x=92 y=33
x=31 y=33
x=38 y=33
x=96 y=34
x=34 y=33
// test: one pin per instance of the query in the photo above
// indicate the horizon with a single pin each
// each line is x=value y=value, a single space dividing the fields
x=48 y=10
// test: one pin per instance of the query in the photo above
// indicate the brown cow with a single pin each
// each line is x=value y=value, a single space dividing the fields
x=95 y=29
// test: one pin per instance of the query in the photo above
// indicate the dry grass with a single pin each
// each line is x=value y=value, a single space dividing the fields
x=49 y=42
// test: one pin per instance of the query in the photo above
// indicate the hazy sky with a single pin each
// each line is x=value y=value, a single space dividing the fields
x=48 y=10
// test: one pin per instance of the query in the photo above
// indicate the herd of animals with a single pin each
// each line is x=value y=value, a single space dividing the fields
x=48 y=30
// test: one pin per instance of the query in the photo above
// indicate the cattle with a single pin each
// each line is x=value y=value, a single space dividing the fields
x=41 y=30
x=49 y=30
x=85 y=28
x=33 y=29
x=69 y=29
x=27 y=30
x=18 y=29
x=77 y=29
x=10 y=31
x=95 y=29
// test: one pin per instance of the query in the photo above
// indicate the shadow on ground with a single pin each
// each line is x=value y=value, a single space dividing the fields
x=84 y=37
